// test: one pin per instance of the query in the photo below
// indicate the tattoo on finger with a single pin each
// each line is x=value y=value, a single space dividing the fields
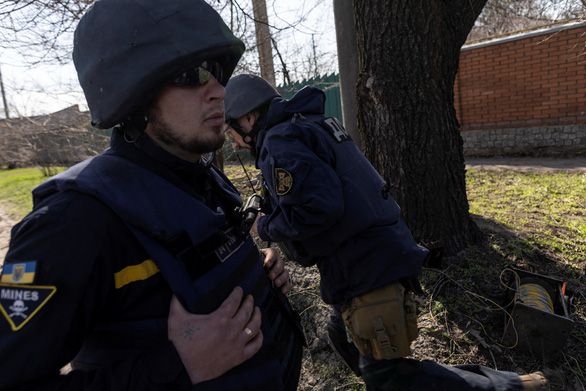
x=189 y=331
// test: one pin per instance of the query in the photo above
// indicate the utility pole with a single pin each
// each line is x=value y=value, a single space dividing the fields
x=4 y=96
x=263 y=41
x=347 y=64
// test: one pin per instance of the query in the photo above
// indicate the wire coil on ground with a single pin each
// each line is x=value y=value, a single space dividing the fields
x=536 y=296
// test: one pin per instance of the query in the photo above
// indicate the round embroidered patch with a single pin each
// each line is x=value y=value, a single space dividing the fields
x=283 y=181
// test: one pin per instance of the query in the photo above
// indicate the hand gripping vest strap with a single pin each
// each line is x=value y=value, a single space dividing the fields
x=280 y=355
x=128 y=190
x=276 y=366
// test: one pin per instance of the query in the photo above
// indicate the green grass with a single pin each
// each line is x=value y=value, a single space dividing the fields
x=15 y=189
x=239 y=177
x=548 y=209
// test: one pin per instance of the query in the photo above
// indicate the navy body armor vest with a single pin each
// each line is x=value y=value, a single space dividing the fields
x=366 y=197
x=201 y=257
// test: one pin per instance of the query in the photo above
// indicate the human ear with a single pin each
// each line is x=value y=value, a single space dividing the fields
x=250 y=118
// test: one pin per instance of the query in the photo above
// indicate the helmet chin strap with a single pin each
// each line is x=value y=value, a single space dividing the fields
x=134 y=125
x=250 y=135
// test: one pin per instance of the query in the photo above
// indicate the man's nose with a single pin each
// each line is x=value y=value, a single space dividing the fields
x=215 y=91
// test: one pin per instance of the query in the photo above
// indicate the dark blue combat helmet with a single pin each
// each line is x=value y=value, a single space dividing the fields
x=245 y=93
x=126 y=50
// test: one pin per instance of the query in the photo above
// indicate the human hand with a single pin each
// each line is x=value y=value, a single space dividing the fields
x=276 y=267
x=210 y=345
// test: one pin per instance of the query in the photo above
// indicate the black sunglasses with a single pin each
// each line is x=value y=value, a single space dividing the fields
x=199 y=75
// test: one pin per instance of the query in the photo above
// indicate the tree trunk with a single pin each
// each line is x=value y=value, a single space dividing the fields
x=408 y=56
x=263 y=41
x=6 y=112
x=219 y=159
x=347 y=65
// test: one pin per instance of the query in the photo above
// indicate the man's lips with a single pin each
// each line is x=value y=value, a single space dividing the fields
x=215 y=119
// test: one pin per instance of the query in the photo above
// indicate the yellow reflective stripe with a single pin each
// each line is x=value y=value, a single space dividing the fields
x=135 y=273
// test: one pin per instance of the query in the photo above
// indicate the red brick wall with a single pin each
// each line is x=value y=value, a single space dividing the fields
x=538 y=79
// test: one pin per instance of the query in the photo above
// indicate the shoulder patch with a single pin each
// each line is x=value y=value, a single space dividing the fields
x=19 y=303
x=283 y=181
x=19 y=272
x=336 y=129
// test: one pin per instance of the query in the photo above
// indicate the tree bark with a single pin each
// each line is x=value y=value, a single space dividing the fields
x=263 y=41
x=6 y=112
x=347 y=65
x=408 y=56
x=219 y=159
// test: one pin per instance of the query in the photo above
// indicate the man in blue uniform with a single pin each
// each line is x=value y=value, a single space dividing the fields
x=328 y=206
x=136 y=266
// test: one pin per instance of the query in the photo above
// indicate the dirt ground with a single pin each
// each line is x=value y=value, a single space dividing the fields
x=6 y=224
x=453 y=338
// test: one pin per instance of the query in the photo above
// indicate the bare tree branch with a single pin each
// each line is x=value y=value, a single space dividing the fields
x=503 y=16
x=36 y=29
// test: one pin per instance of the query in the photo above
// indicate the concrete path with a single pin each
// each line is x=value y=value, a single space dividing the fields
x=527 y=164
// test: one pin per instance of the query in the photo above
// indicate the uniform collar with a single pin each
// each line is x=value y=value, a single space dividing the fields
x=143 y=148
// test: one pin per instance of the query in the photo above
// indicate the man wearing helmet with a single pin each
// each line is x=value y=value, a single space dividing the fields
x=326 y=205
x=133 y=265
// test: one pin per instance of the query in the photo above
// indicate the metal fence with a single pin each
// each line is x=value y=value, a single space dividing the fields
x=330 y=84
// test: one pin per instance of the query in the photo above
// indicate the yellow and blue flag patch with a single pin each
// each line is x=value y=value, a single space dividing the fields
x=19 y=273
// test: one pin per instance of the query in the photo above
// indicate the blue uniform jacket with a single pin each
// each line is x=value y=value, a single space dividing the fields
x=328 y=198
x=95 y=288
